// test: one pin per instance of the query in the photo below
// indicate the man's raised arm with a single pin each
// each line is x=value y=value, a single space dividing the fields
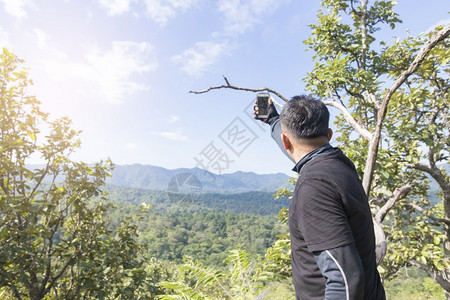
x=273 y=119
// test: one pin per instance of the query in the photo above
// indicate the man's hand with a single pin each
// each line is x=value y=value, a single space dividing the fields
x=271 y=117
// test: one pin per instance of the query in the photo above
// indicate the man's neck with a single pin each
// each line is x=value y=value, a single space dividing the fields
x=303 y=148
x=301 y=152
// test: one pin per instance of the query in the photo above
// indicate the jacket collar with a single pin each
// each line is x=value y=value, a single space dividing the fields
x=311 y=155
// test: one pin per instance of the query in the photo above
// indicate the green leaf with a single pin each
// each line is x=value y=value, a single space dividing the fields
x=437 y=240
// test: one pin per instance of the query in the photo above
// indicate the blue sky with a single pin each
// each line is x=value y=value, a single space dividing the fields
x=122 y=70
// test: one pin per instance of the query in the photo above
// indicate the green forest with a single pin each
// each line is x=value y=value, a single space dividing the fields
x=209 y=236
x=66 y=234
x=204 y=235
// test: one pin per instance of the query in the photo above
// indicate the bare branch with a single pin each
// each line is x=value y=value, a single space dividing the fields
x=398 y=194
x=226 y=80
x=233 y=87
x=360 y=129
x=277 y=104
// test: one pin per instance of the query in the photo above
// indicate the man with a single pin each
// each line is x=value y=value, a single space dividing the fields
x=331 y=229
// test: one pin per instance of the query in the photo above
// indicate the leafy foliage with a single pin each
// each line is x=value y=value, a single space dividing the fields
x=55 y=241
x=244 y=277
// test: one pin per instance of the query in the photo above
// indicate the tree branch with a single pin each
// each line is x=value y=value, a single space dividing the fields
x=398 y=194
x=233 y=87
x=48 y=254
x=363 y=33
x=354 y=10
x=349 y=118
x=330 y=91
x=38 y=183
x=427 y=47
x=61 y=272
x=420 y=209
x=373 y=99
x=433 y=172
x=443 y=277
x=15 y=291
x=374 y=144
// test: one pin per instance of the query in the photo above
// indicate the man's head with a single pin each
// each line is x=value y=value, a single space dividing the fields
x=304 y=121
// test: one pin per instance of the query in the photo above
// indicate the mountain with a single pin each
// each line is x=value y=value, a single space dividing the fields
x=158 y=178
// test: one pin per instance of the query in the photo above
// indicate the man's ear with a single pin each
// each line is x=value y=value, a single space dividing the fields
x=330 y=134
x=286 y=141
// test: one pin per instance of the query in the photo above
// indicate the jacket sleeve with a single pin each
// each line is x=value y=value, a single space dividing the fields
x=343 y=271
x=275 y=127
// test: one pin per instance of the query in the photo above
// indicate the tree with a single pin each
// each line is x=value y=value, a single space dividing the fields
x=393 y=100
x=54 y=237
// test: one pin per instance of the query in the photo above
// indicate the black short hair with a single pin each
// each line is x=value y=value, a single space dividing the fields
x=305 y=117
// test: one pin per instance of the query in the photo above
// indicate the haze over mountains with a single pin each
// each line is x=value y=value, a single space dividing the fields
x=158 y=178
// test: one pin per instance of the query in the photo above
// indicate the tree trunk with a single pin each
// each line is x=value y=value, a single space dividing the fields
x=380 y=241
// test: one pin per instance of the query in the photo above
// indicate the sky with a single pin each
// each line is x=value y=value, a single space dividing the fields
x=122 y=70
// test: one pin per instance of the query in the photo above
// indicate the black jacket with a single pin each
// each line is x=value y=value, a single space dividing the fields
x=331 y=228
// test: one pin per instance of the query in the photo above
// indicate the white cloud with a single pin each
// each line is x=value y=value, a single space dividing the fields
x=161 y=11
x=198 y=59
x=16 y=8
x=115 y=7
x=173 y=119
x=171 y=135
x=242 y=15
x=113 y=68
x=107 y=73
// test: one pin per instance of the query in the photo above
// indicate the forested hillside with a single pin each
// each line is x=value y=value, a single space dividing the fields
x=204 y=235
x=206 y=229
x=253 y=203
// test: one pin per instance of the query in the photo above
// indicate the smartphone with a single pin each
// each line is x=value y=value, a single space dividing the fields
x=262 y=101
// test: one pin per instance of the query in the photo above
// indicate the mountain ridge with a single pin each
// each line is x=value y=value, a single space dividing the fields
x=159 y=178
